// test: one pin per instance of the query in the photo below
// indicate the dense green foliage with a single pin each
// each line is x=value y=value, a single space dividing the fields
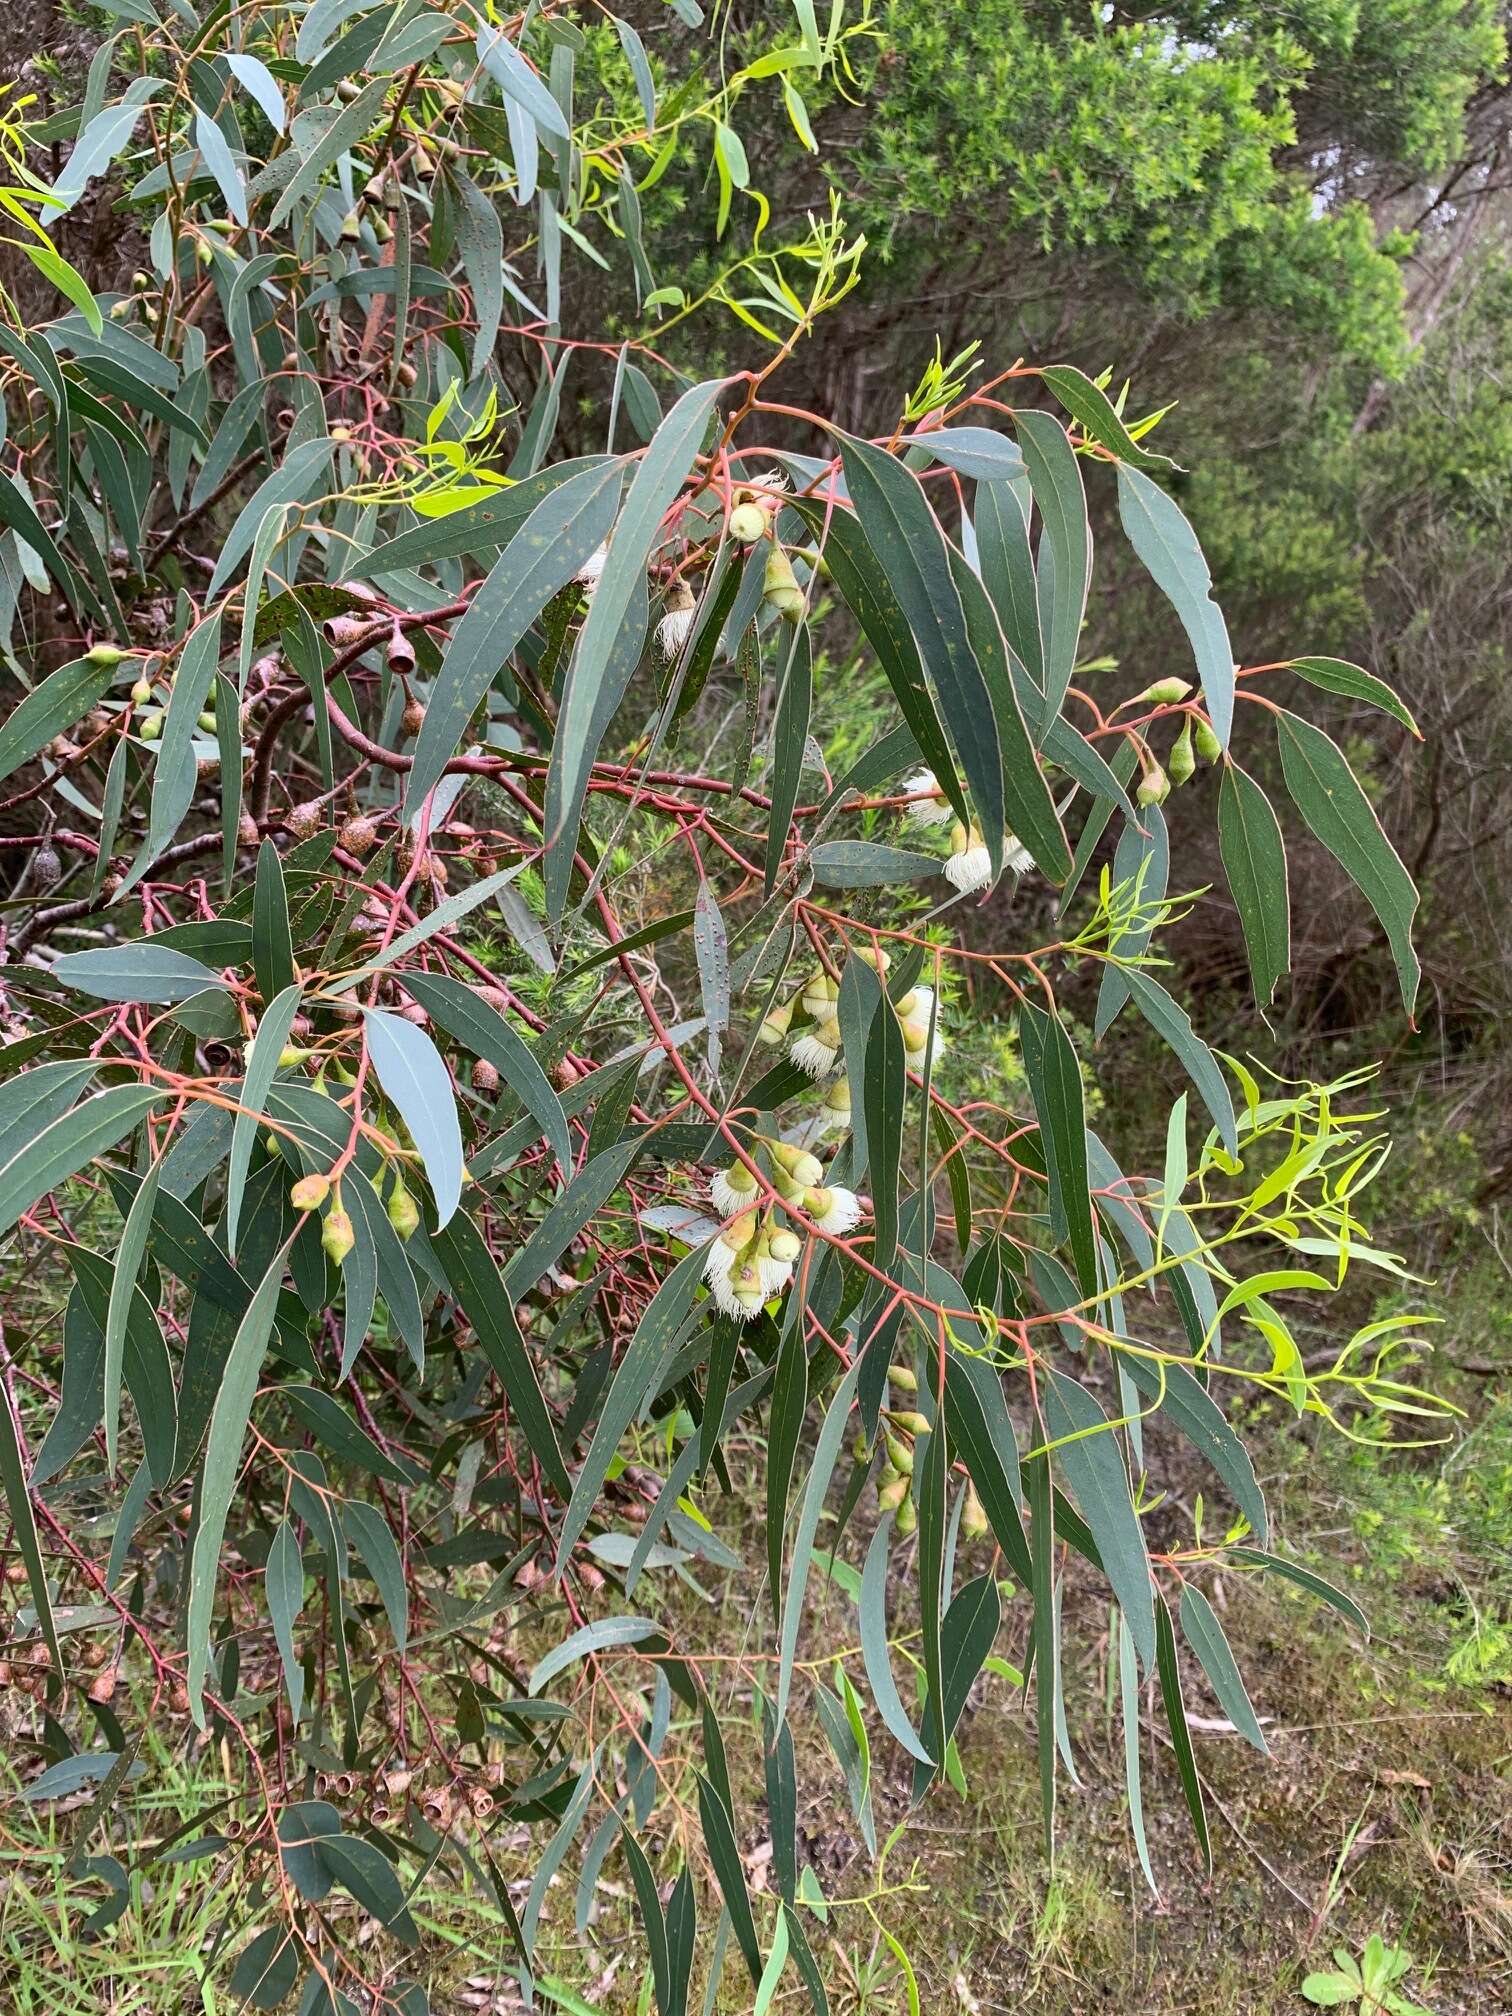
x=592 y=897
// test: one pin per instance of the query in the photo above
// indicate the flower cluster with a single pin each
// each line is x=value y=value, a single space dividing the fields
x=753 y=1258
x=817 y=1045
x=969 y=864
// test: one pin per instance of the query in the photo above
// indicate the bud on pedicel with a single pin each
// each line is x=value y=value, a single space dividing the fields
x=1165 y=692
x=1154 y=787
x=403 y=1212
x=1181 y=763
x=748 y=523
x=780 y=587
x=151 y=728
x=908 y=1516
x=337 y=1236
x=776 y=1024
x=1209 y=748
x=141 y=693
x=103 y=654
x=310 y=1192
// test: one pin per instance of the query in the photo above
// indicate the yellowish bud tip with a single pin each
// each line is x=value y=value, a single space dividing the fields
x=310 y=1192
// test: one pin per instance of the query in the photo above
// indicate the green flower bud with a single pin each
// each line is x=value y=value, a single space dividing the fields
x=207 y=722
x=1181 y=762
x=310 y=1192
x=1154 y=787
x=748 y=523
x=903 y=1377
x=337 y=1236
x=403 y=1212
x=974 y=1524
x=1165 y=692
x=1209 y=748
x=151 y=728
x=901 y=1456
x=908 y=1518
x=103 y=654
x=891 y=1494
x=141 y=693
x=780 y=587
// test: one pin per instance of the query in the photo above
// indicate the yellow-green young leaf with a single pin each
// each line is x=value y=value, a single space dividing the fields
x=771 y=1974
x=1094 y=412
x=69 y=282
x=1327 y=795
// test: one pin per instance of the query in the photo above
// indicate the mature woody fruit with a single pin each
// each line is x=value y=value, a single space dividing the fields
x=304 y=821
x=358 y=835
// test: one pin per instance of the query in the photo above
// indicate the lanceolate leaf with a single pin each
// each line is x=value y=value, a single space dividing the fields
x=462 y=1012
x=1173 y=1023
x=1094 y=412
x=1165 y=542
x=579 y=727
x=826 y=1454
x=1331 y=801
x=223 y=1447
x=1254 y=860
x=413 y=1076
x=136 y=971
x=55 y=704
x=63 y=1147
x=475 y=1281
x=1336 y=675
x=545 y=553
x=911 y=549
x=1091 y=1463
x=1055 y=1085
x=879 y=1674
x=1181 y=1741
x=1205 y=1636
x=868 y=592
x=1065 y=554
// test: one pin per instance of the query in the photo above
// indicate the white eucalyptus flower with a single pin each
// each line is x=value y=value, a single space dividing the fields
x=930 y=807
x=1016 y=856
x=676 y=626
x=817 y=1050
x=970 y=865
x=588 y=574
x=741 y=1293
x=732 y=1189
x=834 y=1209
x=718 y=1262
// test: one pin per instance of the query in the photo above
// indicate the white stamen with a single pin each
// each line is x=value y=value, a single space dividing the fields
x=932 y=810
x=969 y=870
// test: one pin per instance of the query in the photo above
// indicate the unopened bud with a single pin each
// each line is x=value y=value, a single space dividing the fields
x=103 y=654
x=748 y=523
x=1181 y=762
x=403 y=1212
x=1154 y=787
x=337 y=1236
x=310 y=1192
x=1165 y=692
x=358 y=835
x=780 y=587
x=141 y=693
x=1209 y=748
